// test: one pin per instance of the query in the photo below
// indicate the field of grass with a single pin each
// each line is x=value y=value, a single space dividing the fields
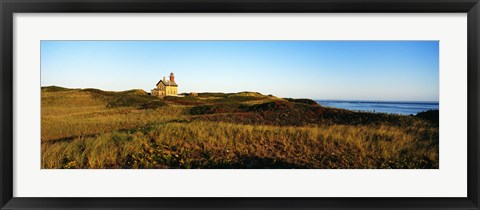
x=90 y=128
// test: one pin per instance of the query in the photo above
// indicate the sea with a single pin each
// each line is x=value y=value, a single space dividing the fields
x=390 y=107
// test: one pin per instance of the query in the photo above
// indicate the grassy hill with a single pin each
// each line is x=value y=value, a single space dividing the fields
x=91 y=128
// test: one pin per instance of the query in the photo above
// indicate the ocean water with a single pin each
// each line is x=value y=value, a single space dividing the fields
x=404 y=108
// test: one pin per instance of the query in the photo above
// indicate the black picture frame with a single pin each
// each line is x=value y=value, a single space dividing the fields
x=9 y=7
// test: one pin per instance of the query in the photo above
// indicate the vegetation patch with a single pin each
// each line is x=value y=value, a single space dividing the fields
x=138 y=92
x=430 y=115
x=226 y=145
x=91 y=128
x=128 y=101
x=285 y=113
x=187 y=100
x=153 y=105
x=202 y=110
x=54 y=89
x=303 y=101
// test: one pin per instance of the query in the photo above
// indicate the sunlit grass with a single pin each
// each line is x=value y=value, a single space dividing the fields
x=79 y=130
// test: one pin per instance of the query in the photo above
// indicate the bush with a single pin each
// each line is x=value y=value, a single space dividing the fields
x=187 y=100
x=430 y=115
x=269 y=106
x=201 y=110
x=153 y=105
x=303 y=101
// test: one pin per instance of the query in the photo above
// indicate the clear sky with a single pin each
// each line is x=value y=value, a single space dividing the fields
x=347 y=70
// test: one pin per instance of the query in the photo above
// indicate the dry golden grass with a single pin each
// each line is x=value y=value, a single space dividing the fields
x=73 y=113
x=80 y=131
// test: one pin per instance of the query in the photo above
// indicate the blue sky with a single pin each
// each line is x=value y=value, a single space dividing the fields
x=347 y=70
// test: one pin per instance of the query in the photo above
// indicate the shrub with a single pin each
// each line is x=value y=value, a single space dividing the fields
x=303 y=101
x=430 y=115
x=201 y=110
x=187 y=100
x=153 y=105
x=269 y=106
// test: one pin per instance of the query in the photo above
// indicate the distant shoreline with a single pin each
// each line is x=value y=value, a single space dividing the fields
x=377 y=101
x=389 y=107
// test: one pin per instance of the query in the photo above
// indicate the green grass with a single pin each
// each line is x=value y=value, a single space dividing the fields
x=82 y=129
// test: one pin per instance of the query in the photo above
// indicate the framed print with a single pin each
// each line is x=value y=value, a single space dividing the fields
x=239 y=105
